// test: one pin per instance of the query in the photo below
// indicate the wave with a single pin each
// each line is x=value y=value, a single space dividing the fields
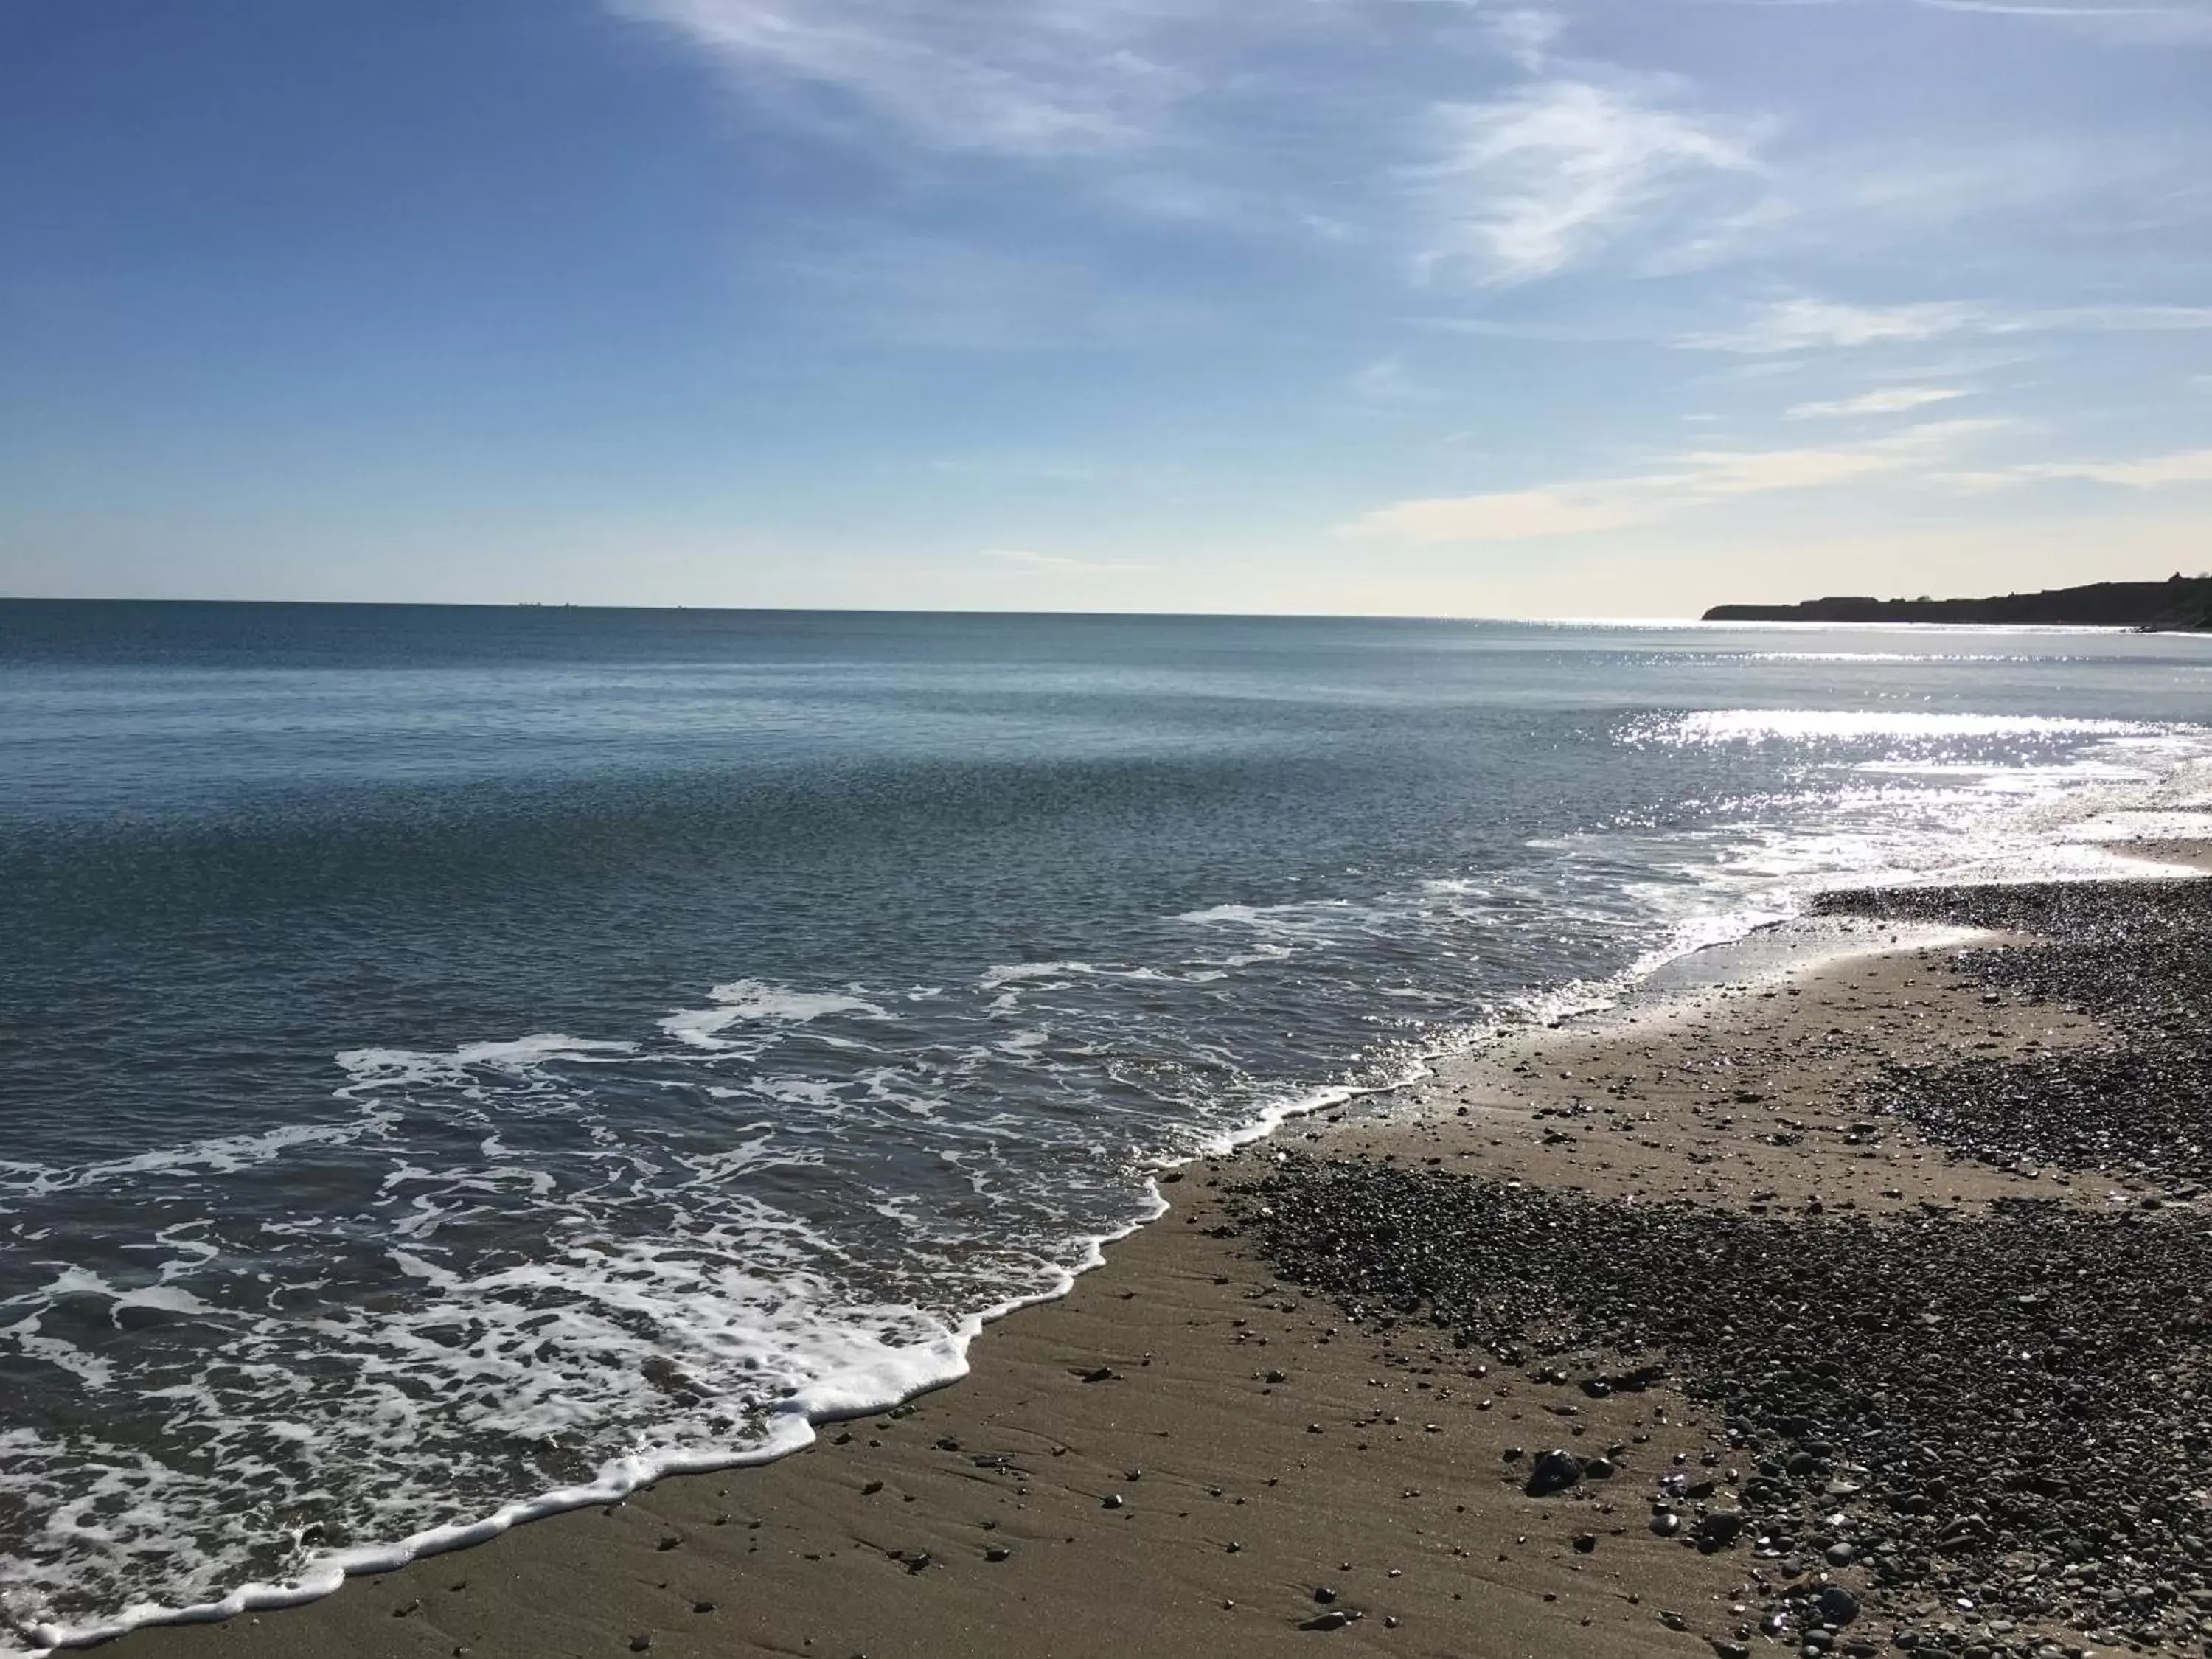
x=380 y=1067
x=216 y=1155
x=756 y=1001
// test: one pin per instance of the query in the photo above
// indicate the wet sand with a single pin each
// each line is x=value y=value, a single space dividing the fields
x=1747 y=1097
x=1187 y=1453
x=2179 y=854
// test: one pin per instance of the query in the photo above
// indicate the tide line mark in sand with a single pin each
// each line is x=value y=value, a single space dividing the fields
x=1262 y=1447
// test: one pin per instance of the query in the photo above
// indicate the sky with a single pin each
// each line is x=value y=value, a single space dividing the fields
x=1609 y=307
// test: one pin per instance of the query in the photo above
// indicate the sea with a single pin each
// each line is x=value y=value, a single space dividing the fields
x=457 y=1063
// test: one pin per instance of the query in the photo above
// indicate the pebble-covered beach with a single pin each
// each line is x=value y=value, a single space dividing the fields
x=1983 y=1433
x=2135 y=956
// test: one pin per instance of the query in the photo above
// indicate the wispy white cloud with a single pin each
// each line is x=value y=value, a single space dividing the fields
x=1556 y=171
x=1030 y=562
x=2188 y=466
x=1800 y=324
x=1804 y=323
x=1038 y=78
x=1823 y=197
x=1697 y=478
x=1884 y=400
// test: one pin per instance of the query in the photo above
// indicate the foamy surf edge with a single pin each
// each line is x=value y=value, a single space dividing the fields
x=792 y=1423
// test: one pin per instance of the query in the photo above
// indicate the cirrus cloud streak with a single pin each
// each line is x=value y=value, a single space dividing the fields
x=1694 y=480
x=1556 y=171
x=2189 y=466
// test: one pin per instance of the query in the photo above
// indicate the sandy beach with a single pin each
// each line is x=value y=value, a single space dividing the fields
x=1195 y=1450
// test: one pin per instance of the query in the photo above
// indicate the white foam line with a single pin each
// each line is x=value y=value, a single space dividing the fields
x=856 y=1392
x=220 y=1155
x=752 y=1000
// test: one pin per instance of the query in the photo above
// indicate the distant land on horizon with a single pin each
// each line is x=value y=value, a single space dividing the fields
x=2179 y=604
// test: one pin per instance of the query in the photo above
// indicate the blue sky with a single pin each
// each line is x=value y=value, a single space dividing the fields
x=1426 y=307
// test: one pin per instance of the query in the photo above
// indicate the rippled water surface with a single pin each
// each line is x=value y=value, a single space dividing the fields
x=449 y=1056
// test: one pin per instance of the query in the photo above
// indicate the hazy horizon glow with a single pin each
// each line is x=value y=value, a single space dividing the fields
x=1398 y=306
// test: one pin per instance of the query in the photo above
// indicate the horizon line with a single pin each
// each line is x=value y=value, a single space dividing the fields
x=1684 y=620
x=820 y=610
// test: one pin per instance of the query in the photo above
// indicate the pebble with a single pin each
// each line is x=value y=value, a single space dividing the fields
x=1719 y=1529
x=1838 y=1605
x=1554 y=1471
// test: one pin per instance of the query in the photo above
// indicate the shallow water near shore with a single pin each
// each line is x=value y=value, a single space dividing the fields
x=451 y=1057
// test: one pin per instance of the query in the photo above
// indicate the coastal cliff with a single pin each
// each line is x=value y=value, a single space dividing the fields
x=2181 y=602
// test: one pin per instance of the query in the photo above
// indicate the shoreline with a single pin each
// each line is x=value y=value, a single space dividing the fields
x=1677 y=988
x=1681 y=988
x=1029 y=1453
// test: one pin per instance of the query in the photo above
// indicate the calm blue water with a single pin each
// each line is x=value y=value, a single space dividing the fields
x=449 y=1055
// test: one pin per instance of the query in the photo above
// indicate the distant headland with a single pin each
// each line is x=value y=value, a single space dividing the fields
x=2182 y=603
